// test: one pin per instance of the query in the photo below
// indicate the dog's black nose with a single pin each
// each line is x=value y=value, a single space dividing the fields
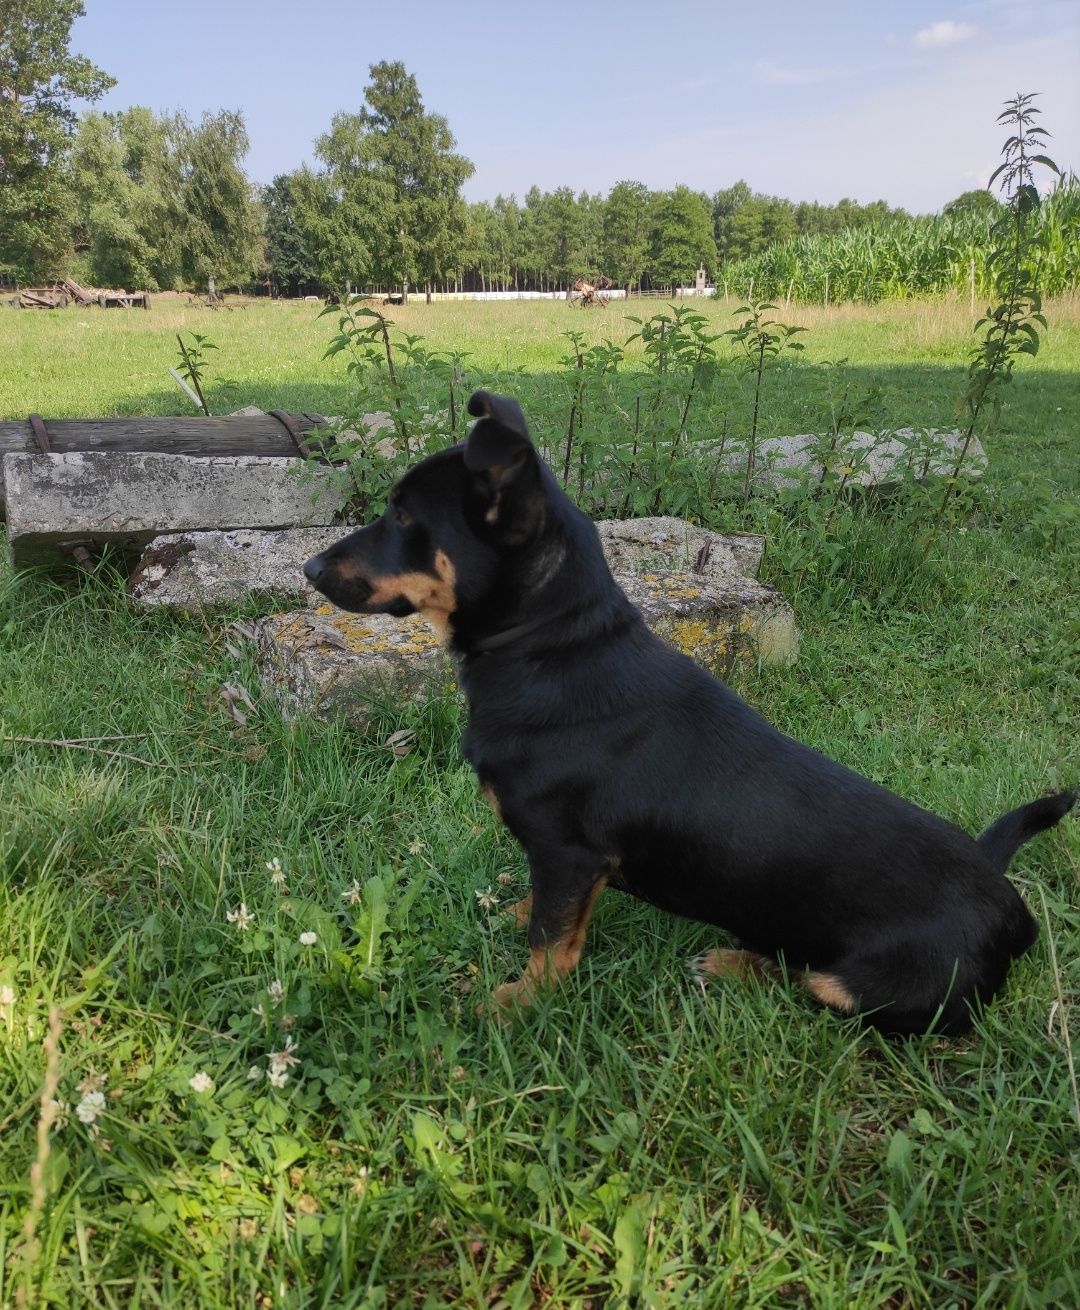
x=314 y=569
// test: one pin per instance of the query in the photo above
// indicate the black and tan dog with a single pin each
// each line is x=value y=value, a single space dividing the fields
x=616 y=761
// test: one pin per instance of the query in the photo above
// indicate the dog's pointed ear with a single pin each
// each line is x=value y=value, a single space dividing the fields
x=498 y=444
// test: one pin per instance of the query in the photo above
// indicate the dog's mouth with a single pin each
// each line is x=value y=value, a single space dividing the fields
x=354 y=593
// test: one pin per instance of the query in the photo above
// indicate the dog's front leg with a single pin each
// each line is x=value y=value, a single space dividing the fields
x=564 y=891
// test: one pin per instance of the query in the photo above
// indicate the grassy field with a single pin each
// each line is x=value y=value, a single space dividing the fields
x=633 y=1142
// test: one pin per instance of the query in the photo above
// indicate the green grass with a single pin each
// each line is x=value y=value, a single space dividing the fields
x=631 y=1143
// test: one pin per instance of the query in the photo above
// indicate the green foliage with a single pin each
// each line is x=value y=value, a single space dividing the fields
x=213 y=210
x=747 y=224
x=399 y=379
x=625 y=247
x=39 y=79
x=290 y=265
x=682 y=239
x=908 y=257
x=1010 y=327
x=162 y=202
x=193 y=363
x=391 y=172
x=761 y=341
x=120 y=184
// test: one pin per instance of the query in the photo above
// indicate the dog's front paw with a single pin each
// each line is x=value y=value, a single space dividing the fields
x=505 y=1000
x=719 y=963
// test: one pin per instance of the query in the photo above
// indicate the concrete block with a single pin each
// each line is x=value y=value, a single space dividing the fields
x=126 y=499
x=866 y=459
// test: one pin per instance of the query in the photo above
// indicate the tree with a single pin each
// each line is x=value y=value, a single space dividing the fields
x=120 y=181
x=290 y=263
x=682 y=237
x=625 y=242
x=213 y=208
x=393 y=174
x=161 y=202
x=39 y=79
x=983 y=204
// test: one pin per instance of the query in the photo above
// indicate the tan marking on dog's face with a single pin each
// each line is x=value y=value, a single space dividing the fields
x=830 y=991
x=433 y=596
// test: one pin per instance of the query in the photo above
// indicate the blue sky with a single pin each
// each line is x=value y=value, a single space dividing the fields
x=809 y=100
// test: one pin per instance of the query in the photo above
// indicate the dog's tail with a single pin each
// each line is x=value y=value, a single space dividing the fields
x=1001 y=839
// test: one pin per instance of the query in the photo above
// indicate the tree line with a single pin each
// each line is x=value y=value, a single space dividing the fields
x=137 y=199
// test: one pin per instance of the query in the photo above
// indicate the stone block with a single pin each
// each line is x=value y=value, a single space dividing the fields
x=331 y=663
x=866 y=459
x=125 y=499
x=673 y=545
x=201 y=570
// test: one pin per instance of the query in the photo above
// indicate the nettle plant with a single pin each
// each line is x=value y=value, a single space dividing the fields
x=1009 y=328
x=761 y=342
x=405 y=401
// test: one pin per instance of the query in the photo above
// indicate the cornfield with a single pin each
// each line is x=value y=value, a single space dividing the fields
x=908 y=257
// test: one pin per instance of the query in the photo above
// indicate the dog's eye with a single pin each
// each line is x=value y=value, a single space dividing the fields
x=402 y=519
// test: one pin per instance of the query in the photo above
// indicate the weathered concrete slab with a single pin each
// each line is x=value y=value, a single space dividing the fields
x=201 y=570
x=330 y=663
x=717 y=623
x=126 y=499
x=672 y=544
x=865 y=459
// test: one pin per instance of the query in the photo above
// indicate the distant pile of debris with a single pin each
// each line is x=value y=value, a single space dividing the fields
x=66 y=290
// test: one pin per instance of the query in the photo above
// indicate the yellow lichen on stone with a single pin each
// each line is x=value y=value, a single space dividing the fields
x=698 y=639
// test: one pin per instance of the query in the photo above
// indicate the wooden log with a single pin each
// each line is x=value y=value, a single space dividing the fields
x=260 y=435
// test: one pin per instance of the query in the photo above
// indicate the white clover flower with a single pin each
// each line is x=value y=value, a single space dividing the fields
x=308 y=938
x=58 y=1111
x=242 y=917
x=7 y=995
x=283 y=1060
x=353 y=896
x=90 y=1107
x=277 y=873
x=261 y=1012
x=254 y=1074
x=415 y=848
x=277 y=1078
x=487 y=899
x=276 y=992
x=201 y=1082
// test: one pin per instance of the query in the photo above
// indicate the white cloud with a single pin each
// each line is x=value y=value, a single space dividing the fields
x=938 y=35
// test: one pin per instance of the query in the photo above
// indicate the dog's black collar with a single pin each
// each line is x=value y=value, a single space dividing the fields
x=481 y=645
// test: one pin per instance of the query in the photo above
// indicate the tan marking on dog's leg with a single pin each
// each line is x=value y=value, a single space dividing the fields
x=830 y=991
x=719 y=963
x=488 y=794
x=548 y=964
x=521 y=910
